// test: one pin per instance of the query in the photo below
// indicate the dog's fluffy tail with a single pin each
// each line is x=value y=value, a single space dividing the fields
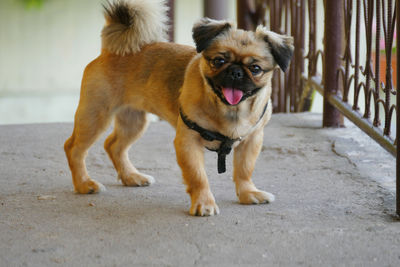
x=130 y=24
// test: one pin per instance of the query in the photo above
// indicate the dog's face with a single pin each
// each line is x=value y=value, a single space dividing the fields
x=237 y=63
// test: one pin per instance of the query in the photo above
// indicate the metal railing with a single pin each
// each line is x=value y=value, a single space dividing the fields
x=348 y=69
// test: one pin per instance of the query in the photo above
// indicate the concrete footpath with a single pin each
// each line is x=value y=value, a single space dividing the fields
x=333 y=187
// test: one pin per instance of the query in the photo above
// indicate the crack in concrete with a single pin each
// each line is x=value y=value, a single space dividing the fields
x=384 y=197
x=333 y=149
x=197 y=261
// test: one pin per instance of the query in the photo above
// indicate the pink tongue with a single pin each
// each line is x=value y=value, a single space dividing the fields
x=233 y=96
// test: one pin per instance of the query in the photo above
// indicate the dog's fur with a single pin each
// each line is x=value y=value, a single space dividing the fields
x=137 y=72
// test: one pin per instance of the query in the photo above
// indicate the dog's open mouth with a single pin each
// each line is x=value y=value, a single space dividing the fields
x=232 y=95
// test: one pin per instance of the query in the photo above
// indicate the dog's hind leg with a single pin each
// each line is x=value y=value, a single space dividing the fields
x=91 y=119
x=130 y=124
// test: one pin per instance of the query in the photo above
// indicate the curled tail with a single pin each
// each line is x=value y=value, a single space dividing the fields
x=130 y=24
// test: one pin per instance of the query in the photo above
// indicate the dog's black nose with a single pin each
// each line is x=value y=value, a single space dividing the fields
x=236 y=72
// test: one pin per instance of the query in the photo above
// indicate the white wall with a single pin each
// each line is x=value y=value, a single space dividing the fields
x=46 y=49
x=43 y=52
x=187 y=12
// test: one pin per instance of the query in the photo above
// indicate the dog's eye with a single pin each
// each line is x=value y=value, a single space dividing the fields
x=255 y=69
x=218 y=62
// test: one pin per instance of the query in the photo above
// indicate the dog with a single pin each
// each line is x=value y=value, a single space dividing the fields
x=216 y=95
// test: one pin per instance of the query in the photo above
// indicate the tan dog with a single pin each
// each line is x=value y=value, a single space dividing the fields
x=216 y=97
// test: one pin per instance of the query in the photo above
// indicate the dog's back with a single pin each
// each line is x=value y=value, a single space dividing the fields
x=136 y=78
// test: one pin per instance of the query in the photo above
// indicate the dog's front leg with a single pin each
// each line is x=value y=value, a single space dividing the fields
x=244 y=160
x=190 y=157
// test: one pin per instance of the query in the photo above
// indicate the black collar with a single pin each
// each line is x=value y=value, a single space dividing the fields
x=226 y=143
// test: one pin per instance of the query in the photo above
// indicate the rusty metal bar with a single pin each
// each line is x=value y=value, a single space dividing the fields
x=300 y=36
x=368 y=15
x=312 y=64
x=250 y=13
x=216 y=9
x=288 y=83
x=277 y=82
x=171 y=13
x=332 y=61
x=377 y=121
x=347 y=53
x=397 y=112
x=388 y=26
x=357 y=57
x=355 y=117
x=306 y=95
x=243 y=10
x=292 y=71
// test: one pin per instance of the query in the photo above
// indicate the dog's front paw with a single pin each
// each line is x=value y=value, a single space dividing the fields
x=255 y=197
x=204 y=205
x=136 y=179
x=89 y=186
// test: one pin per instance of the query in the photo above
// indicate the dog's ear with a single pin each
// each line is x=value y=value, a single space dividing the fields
x=206 y=30
x=281 y=46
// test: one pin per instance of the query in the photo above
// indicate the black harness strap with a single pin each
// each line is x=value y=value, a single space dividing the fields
x=226 y=143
